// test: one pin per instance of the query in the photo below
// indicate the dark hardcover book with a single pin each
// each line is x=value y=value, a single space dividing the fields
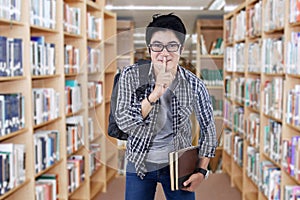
x=3 y=55
x=18 y=53
x=185 y=161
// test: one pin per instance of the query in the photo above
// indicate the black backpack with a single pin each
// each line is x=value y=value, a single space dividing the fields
x=113 y=129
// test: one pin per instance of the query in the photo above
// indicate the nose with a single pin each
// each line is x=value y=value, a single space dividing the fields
x=165 y=52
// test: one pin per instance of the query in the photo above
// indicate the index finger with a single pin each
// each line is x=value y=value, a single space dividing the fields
x=164 y=65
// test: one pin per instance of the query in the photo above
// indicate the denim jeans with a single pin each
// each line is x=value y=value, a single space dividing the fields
x=144 y=189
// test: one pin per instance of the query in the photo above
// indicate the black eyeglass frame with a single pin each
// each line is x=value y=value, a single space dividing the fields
x=164 y=47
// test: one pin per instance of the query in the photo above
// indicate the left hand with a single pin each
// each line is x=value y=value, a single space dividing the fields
x=194 y=181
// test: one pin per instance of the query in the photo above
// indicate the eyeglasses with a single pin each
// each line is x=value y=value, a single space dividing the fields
x=157 y=47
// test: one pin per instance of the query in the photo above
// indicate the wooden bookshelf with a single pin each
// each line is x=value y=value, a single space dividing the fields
x=102 y=38
x=210 y=61
x=251 y=69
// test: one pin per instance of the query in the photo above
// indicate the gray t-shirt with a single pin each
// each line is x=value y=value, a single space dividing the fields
x=163 y=142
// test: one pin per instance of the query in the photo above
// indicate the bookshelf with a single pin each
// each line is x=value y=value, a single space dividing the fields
x=261 y=99
x=210 y=70
x=125 y=57
x=110 y=64
x=67 y=58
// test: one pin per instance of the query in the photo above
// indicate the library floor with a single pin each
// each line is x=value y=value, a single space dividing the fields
x=216 y=187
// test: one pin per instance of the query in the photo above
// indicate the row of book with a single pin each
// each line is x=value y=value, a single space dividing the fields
x=252 y=129
x=76 y=174
x=11 y=56
x=10 y=9
x=46 y=148
x=94 y=60
x=12 y=113
x=273 y=93
x=94 y=93
x=291 y=156
x=268 y=53
x=252 y=164
x=294 y=11
x=227 y=141
x=72 y=19
x=42 y=56
x=45 y=105
x=12 y=166
x=216 y=47
x=235 y=89
x=291 y=192
x=94 y=25
x=254 y=56
x=252 y=93
x=274 y=14
x=74 y=133
x=238 y=142
x=90 y=125
x=227 y=113
x=212 y=77
x=292 y=57
x=71 y=59
x=269 y=179
x=263 y=173
x=229 y=30
x=95 y=157
x=73 y=96
x=273 y=97
x=43 y=13
x=293 y=106
x=234 y=58
x=217 y=105
x=238 y=119
x=284 y=152
x=272 y=140
x=272 y=55
x=254 y=23
x=240 y=26
x=46 y=187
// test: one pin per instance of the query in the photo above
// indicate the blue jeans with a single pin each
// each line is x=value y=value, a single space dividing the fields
x=144 y=189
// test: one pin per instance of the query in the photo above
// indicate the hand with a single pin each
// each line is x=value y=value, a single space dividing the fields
x=193 y=182
x=163 y=79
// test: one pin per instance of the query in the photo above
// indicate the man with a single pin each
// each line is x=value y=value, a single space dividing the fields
x=157 y=115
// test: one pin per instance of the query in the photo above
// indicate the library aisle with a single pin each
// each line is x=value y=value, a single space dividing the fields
x=216 y=187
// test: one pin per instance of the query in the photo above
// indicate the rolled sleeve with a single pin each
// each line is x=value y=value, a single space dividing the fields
x=208 y=139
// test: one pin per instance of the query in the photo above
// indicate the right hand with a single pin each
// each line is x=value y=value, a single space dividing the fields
x=163 y=79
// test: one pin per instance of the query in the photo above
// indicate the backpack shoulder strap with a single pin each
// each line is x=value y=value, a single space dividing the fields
x=144 y=67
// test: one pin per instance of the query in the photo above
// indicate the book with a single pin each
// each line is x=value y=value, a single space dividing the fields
x=182 y=165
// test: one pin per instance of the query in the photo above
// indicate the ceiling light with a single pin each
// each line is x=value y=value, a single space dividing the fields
x=217 y=5
x=229 y=8
x=132 y=7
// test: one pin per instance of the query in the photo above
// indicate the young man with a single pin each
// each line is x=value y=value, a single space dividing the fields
x=156 y=115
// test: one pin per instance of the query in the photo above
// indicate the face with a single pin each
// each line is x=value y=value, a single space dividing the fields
x=172 y=58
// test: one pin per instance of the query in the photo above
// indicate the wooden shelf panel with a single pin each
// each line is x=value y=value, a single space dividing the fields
x=95 y=188
x=25 y=84
x=238 y=182
x=110 y=174
x=46 y=123
x=14 y=190
x=42 y=29
x=251 y=196
x=49 y=168
x=14 y=134
x=14 y=78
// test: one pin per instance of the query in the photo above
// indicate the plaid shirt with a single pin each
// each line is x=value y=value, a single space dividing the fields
x=190 y=94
